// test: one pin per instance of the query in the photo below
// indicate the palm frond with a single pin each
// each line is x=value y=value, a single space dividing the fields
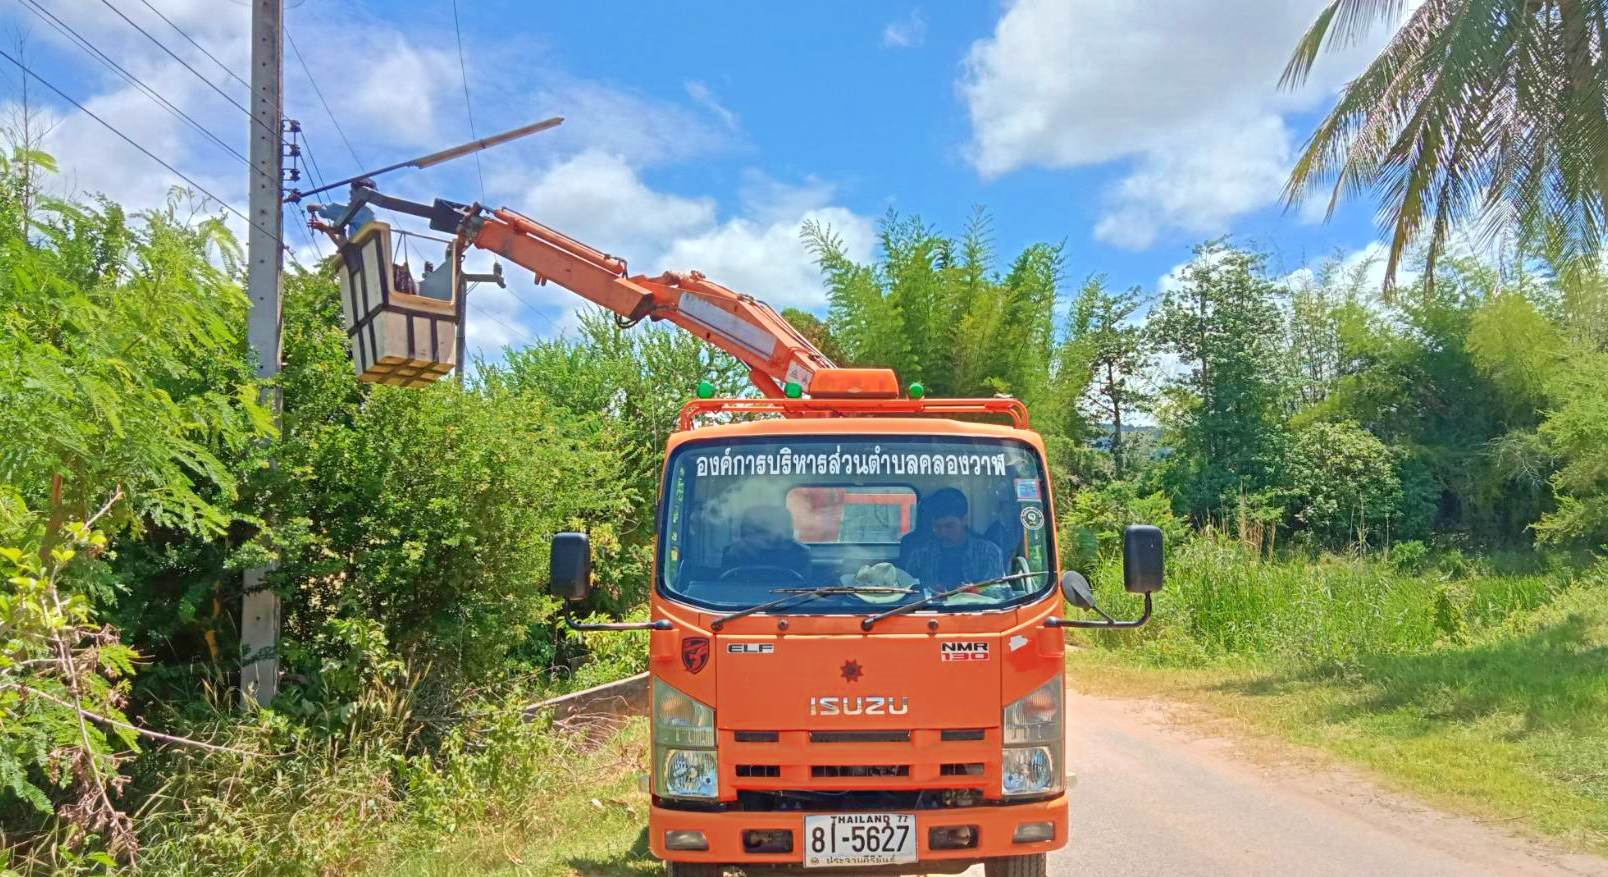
x=1479 y=114
x=1342 y=22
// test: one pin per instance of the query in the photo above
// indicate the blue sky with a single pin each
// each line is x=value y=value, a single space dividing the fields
x=701 y=136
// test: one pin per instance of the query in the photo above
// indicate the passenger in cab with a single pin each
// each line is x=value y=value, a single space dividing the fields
x=765 y=539
x=918 y=536
x=954 y=555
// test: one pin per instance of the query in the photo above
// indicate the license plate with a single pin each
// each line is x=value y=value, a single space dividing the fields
x=846 y=839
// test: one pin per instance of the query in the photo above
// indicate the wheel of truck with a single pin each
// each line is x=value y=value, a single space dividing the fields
x=1016 y=866
x=694 y=869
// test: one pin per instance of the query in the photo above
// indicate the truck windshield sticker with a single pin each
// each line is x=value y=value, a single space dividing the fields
x=1032 y=518
x=787 y=463
x=1027 y=490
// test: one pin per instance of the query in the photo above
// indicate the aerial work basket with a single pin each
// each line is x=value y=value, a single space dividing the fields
x=397 y=337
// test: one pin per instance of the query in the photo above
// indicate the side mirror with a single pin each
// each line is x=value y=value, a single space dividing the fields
x=1075 y=588
x=571 y=567
x=1142 y=559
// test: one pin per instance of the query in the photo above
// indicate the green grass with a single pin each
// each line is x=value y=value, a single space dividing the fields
x=1483 y=692
x=496 y=795
x=593 y=821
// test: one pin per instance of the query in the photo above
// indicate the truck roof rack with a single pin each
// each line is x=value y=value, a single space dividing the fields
x=815 y=407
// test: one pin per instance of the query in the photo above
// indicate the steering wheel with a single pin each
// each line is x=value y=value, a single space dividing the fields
x=767 y=569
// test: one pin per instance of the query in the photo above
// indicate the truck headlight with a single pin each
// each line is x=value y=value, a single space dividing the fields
x=689 y=773
x=1029 y=770
x=1033 y=730
x=685 y=765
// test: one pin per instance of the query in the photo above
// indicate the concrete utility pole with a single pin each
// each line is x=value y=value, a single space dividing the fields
x=259 y=609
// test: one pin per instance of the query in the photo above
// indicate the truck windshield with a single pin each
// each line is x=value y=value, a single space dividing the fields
x=743 y=518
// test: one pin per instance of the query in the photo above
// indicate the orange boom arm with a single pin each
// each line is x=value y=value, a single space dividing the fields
x=750 y=330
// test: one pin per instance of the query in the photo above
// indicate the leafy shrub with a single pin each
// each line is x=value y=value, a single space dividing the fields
x=1092 y=520
x=1411 y=557
x=1343 y=484
x=124 y=388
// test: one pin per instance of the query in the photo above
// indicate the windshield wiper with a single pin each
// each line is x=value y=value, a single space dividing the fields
x=928 y=600
x=796 y=596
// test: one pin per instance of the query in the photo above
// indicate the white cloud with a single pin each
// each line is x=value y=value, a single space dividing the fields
x=399 y=94
x=1186 y=91
x=598 y=198
x=1197 y=184
x=642 y=130
x=906 y=33
x=705 y=98
x=768 y=260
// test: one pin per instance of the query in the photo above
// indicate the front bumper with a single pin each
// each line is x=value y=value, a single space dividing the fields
x=995 y=826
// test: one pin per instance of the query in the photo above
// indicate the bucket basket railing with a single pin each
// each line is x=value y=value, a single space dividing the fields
x=404 y=338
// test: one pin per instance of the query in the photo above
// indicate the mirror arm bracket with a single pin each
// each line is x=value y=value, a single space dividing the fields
x=660 y=624
x=1107 y=622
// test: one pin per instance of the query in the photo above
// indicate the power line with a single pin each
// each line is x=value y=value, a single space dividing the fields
x=535 y=311
x=186 y=64
x=222 y=66
x=316 y=173
x=28 y=71
x=312 y=240
x=499 y=321
x=84 y=43
x=319 y=92
x=468 y=105
x=298 y=150
x=480 y=172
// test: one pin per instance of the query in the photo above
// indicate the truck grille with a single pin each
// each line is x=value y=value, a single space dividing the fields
x=851 y=801
x=959 y=735
x=859 y=736
x=833 y=771
x=920 y=762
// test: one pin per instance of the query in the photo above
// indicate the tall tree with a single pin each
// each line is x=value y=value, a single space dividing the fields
x=1118 y=355
x=935 y=309
x=1327 y=313
x=1225 y=412
x=1495 y=108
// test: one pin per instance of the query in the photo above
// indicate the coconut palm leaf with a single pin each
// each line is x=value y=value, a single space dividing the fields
x=1478 y=116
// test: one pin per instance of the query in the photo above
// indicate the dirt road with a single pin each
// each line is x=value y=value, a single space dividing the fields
x=1158 y=795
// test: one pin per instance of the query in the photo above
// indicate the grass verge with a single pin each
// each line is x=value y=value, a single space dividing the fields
x=1508 y=723
x=590 y=819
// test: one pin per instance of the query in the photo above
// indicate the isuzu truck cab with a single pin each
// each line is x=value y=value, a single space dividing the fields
x=857 y=658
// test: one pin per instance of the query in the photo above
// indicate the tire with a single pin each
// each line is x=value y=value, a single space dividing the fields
x=1016 y=866
x=692 y=869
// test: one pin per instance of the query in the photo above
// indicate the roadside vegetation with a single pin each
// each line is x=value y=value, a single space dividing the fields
x=1479 y=684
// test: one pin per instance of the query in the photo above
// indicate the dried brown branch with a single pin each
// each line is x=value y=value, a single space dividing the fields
x=144 y=732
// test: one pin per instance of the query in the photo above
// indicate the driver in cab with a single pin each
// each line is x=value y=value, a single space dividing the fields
x=954 y=555
x=765 y=543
